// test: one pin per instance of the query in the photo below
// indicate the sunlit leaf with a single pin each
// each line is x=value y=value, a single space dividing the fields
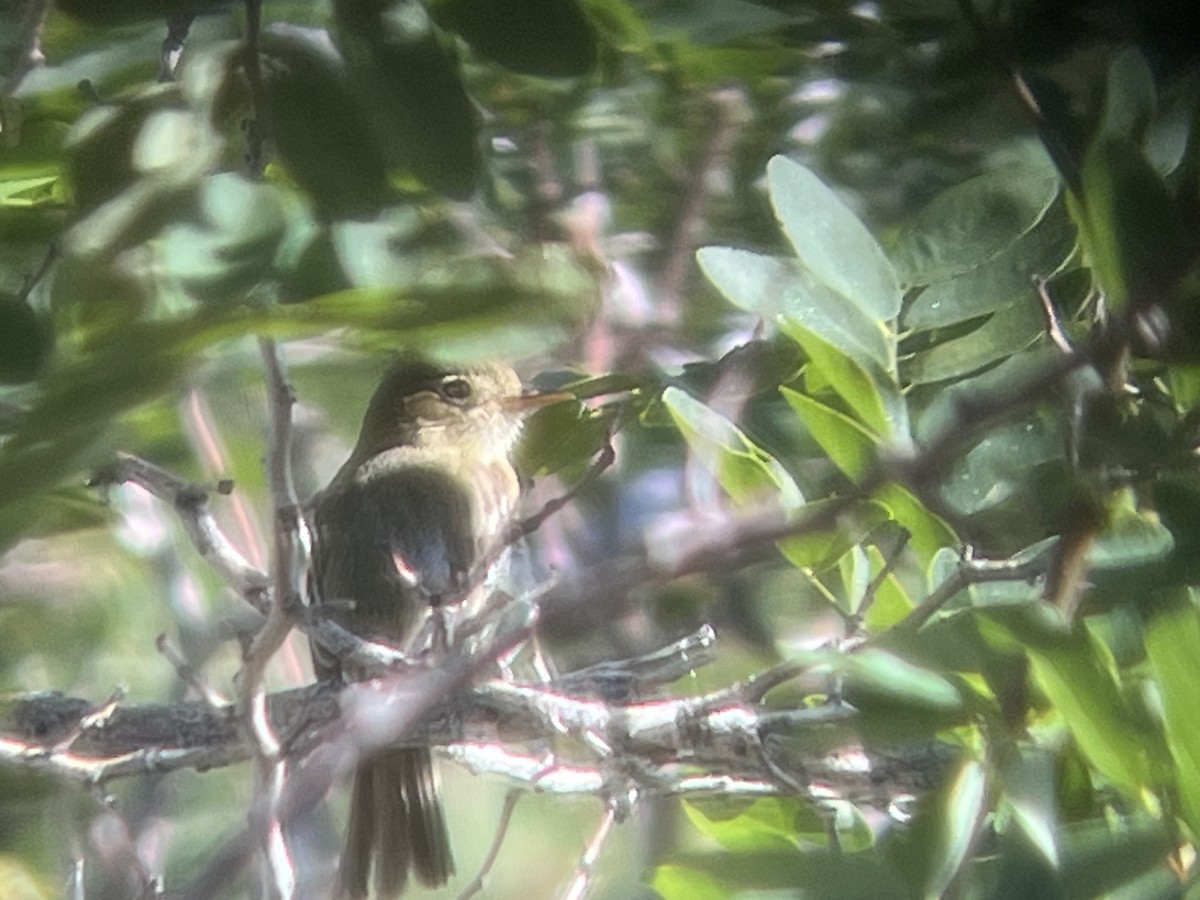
x=775 y=287
x=871 y=392
x=964 y=810
x=1172 y=640
x=831 y=241
x=747 y=473
x=814 y=550
x=682 y=883
x=851 y=447
x=927 y=531
x=1076 y=672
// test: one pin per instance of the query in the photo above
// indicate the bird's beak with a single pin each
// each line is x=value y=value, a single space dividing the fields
x=524 y=404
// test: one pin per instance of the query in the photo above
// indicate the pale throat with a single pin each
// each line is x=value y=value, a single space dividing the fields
x=486 y=444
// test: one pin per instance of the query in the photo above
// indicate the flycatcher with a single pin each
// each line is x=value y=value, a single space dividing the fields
x=424 y=498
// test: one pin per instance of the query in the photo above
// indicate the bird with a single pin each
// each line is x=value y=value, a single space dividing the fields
x=427 y=495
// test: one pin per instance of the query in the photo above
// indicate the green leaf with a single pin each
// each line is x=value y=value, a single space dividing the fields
x=748 y=473
x=1000 y=463
x=892 y=602
x=411 y=93
x=120 y=12
x=1009 y=330
x=317 y=128
x=707 y=23
x=552 y=38
x=998 y=281
x=1099 y=858
x=683 y=883
x=870 y=392
x=964 y=810
x=25 y=341
x=754 y=825
x=778 y=289
x=236 y=245
x=813 y=551
x=928 y=533
x=850 y=446
x=1129 y=95
x=971 y=223
x=1172 y=641
x=561 y=436
x=1131 y=227
x=885 y=674
x=831 y=242
x=1076 y=672
x=1030 y=793
x=1134 y=538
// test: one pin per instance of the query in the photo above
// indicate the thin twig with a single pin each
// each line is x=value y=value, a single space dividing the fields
x=1023 y=567
x=188 y=674
x=286 y=565
x=587 y=863
x=190 y=502
x=489 y=861
x=872 y=590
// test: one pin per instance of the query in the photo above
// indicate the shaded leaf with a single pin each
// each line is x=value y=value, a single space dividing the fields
x=972 y=222
x=1130 y=225
x=317 y=127
x=411 y=93
x=1129 y=97
x=1008 y=331
x=25 y=341
x=552 y=38
x=999 y=280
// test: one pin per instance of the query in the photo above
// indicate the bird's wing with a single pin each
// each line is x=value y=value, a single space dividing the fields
x=386 y=547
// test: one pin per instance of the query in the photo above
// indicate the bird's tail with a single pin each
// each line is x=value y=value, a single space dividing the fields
x=396 y=822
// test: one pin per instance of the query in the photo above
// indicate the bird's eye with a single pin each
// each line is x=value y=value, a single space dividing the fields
x=456 y=390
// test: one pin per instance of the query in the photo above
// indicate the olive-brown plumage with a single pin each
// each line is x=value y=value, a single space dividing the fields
x=425 y=496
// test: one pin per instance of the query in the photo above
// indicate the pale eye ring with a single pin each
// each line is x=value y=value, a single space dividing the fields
x=456 y=390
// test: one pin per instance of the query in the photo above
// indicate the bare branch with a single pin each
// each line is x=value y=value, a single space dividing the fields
x=63 y=736
x=190 y=502
x=288 y=560
x=506 y=814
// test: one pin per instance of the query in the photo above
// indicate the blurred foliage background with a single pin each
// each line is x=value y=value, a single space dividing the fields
x=932 y=260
